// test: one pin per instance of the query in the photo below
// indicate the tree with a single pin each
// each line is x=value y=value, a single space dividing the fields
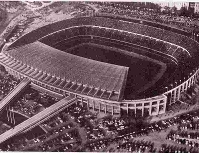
x=166 y=10
x=140 y=122
x=174 y=10
x=157 y=8
x=186 y=11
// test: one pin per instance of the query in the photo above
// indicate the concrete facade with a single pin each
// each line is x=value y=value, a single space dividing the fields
x=150 y=106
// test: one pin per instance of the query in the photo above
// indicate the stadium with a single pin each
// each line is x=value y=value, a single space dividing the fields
x=112 y=64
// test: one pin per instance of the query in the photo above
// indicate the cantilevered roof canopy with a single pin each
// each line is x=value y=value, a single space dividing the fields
x=79 y=74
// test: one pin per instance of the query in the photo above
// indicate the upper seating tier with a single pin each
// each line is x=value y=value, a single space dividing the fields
x=59 y=37
x=114 y=23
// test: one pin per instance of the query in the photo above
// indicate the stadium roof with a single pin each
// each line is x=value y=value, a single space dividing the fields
x=53 y=66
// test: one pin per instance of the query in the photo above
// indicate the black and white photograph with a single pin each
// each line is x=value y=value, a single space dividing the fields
x=99 y=76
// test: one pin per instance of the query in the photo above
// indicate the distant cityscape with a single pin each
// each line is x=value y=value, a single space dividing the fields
x=192 y=6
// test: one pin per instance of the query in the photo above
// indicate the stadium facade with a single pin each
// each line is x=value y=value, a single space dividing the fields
x=101 y=85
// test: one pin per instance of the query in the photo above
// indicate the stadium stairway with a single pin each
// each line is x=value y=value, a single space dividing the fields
x=14 y=93
x=39 y=118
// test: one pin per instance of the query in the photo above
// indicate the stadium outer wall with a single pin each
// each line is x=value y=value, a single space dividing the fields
x=150 y=106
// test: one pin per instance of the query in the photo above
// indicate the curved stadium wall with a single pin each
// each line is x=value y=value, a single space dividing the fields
x=180 y=47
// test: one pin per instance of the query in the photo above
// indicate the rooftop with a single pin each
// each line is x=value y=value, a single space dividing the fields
x=76 y=71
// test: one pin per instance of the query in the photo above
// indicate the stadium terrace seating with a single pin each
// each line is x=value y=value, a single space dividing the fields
x=165 y=48
x=54 y=38
x=105 y=22
x=173 y=49
x=74 y=31
x=68 y=33
x=157 y=45
x=79 y=70
x=116 y=32
x=86 y=30
x=146 y=42
x=124 y=36
x=180 y=54
x=152 y=33
x=59 y=41
x=171 y=37
x=107 y=33
x=82 y=30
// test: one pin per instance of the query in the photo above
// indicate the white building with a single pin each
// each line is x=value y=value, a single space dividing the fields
x=178 y=5
x=196 y=8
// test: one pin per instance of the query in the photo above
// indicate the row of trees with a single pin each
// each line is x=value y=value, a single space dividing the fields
x=184 y=11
